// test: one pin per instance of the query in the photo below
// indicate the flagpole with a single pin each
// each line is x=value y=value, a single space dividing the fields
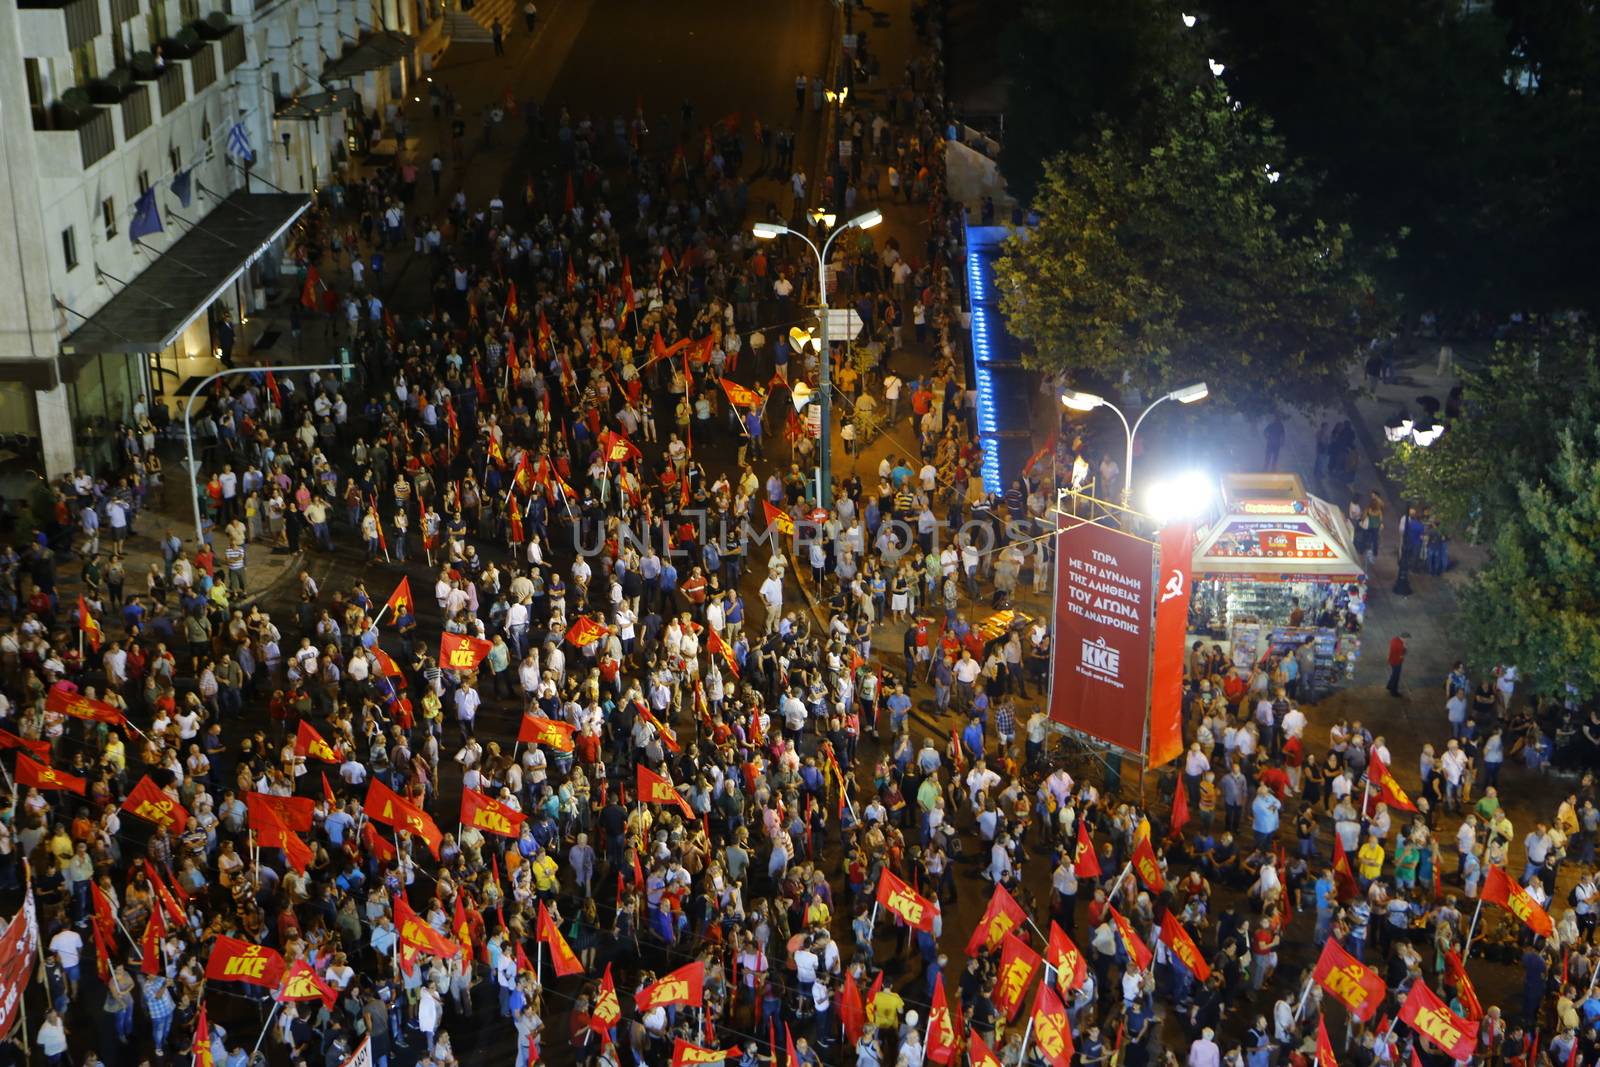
x=1111 y=896
x=1472 y=929
x=1305 y=994
x=264 y=1029
x=38 y=951
x=1027 y=1035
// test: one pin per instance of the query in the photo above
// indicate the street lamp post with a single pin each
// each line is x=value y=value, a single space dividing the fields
x=188 y=429
x=769 y=230
x=1079 y=401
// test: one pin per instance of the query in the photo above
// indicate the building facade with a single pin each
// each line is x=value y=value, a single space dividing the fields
x=154 y=157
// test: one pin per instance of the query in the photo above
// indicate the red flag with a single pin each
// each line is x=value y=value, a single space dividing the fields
x=1018 y=965
x=149 y=803
x=1181 y=945
x=63 y=702
x=978 y=1053
x=571 y=199
x=458 y=652
x=400 y=601
x=943 y=1033
x=606 y=1008
x=686 y=985
x=1138 y=951
x=490 y=815
x=1345 y=886
x=1432 y=1019
x=1002 y=915
x=164 y=897
x=561 y=955
x=739 y=395
x=42 y=777
x=1084 y=861
x=1386 y=788
x=778 y=517
x=155 y=932
x=300 y=982
x=718 y=647
x=1052 y=1031
x=40 y=749
x=203 y=1056
x=1457 y=972
x=511 y=300
x=654 y=789
x=1351 y=982
x=378 y=845
x=87 y=624
x=233 y=960
x=852 y=1013
x=585 y=631
x=912 y=907
x=386 y=806
x=1165 y=731
x=308 y=742
x=273 y=832
x=788 y=1042
x=1499 y=888
x=1180 y=810
x=1325 y=1056
x=296 y=813
x=416 y=933
x=327 y=791
x=1145 y=864
x=685 y=1054
x=1061 y=954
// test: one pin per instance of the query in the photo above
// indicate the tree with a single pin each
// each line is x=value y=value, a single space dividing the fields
x=1076 y=66
x=1536 y=602
x=1516 y=409
x=1188 y=258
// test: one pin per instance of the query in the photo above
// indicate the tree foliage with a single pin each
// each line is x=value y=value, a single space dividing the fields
x=1516 y=407
x=1536 y=602
x=1180 y=257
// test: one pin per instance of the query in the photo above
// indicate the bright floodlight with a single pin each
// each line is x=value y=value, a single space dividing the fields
x=1189 y=21
x=866 y=221
x=768 y=230
x=1216 y=68
x=1184 y=496
x=1078 y=401
x=1189 y=394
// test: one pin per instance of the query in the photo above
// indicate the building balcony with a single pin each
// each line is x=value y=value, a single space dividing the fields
x=56 y=27
x=233 y=49
x=73 y=138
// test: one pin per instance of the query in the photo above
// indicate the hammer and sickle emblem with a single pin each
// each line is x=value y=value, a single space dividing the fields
x=1173 y=588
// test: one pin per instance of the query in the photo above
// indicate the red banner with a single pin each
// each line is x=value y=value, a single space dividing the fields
x=652 y=788
x=944 y=1029
x=1065 y=957
x=1456 y=970
x=1085 y=861
x=1102 y=633
x=1178 y=941
x=490 y=815
x=79 y=706
x=457 y=652
x=1018 y=964
x=686 y=985
x=386 y=806
x=302 y=983
x=1430 y=1017
x=1002 y=916
x=538 y=730
x=1052 y=1031
x=1172 y=630
x=566 y=961
x=1325 y=1056
x=296 y=813
x=912 y=907
x=233 y=960
x=308 y=742
x=44 y=777
x=148 y=802
x=1385 y=788
x=19 y=945
x=1138 y=951
x=1498 y=888
x=1351 y=982
x=1145 y=863
x=607 y=1010
x=685 y=1055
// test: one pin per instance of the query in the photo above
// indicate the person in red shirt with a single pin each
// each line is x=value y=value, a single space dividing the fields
x=1397 y=659
x=1276 y=779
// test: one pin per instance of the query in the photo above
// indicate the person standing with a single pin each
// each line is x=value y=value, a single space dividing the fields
x=1397 y=660
x=499 y=38
x=530 y=15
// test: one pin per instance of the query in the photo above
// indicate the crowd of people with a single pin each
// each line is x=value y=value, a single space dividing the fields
x=696 y=804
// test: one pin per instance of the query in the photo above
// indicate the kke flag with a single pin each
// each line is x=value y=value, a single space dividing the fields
x=296 y=813
x=386 y=806
x=1172 y=627
x=566 y=961
x=87 y=624
x=1138 y=951
x=1084 y=860
x=203 y=1056
x=415 y=932
x=1181 y=945
x=233 y=960
x=1145 y=864
x=943 y=1029
x=302 y=983
x=273 y=832
x=1385 y=788
x=400 y=602
x=1351 y=982
x=607 y=1010
x=718 y=647
x=738 y=395
x=1018 y=965
x=1430 y=1017
x=490 y=815
x=32 y=772
x=652 y=788
x=308 y=742
x=1325 y=1056
x=149 y=803
x=685 y=1054
x=538 y=730
x=912 y=907
x=852 y=1013
x=1498 y=888
x=1345 y=886
x=686 y=985
x=1457 y=973
x=40 y=749
x=776 y=516
x=1002 y=916
x=457 y=652
x=585 y=631
x=1052 y=1031
x=978 y=1053
x=78 y=706
x=1063 y=955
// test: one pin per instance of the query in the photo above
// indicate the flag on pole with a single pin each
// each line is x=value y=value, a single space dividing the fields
x=239 y=144
x=146 y=216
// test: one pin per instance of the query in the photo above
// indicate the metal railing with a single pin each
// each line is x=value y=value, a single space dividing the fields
x=174 y=90
x=136 y=111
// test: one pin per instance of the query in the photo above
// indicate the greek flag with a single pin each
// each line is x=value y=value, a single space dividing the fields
x=239 y=143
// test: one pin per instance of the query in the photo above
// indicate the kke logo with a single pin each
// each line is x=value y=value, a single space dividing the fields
x=673 y=990
x=908 y=907
x=248 y=964
x=300 y=987
x=490 y=819
x=160 y=812
x=1437 y=1026
x=1049 y=1030
x=1099 y=660
x=1345 y=983
x=461 y=657
x=1173 y=588
x=1015 y=979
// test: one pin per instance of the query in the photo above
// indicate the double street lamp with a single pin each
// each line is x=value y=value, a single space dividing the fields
x=1081 y=401
x=769 y=230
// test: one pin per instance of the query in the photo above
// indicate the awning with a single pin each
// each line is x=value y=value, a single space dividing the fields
x=158 y=305
x=373 y=52
x=316 y=105
x=1269 y=528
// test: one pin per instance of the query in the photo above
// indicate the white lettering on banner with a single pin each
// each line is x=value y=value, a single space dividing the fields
x=1101 y=662
x=1105 y=596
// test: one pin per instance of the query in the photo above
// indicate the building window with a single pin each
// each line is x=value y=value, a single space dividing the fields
x=205 y=130
x=108 y=212
x=144 y=182
x=84 y=68
x=175 y=158
x=69 y=247
x=158 y=23
x=190 y=10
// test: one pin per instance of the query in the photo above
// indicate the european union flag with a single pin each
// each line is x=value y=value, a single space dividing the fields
x=183 y=187
x=146 y=216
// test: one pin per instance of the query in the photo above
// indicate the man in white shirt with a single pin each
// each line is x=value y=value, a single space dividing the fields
x=68 y=947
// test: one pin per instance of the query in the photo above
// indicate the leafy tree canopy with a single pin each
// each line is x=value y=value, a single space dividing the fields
x=1193 y=256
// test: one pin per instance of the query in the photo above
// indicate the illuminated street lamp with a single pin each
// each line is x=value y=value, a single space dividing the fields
x=1078 y=400
x=766 y=231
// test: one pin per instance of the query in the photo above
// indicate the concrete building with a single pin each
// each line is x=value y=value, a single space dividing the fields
x=221 y=117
